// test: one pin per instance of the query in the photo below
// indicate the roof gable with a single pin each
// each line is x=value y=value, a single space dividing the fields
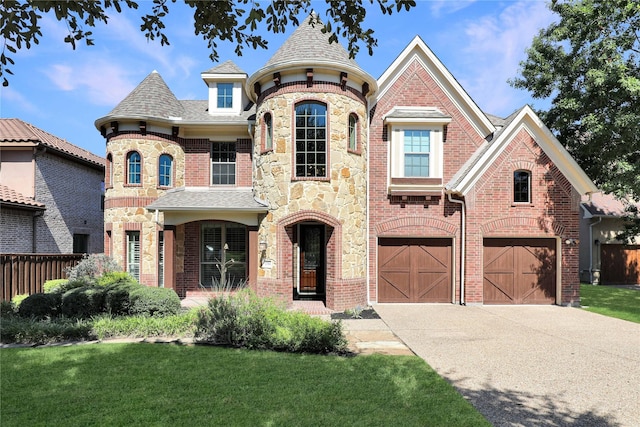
x=467 y=177
x=227 y=67
x=418 y=51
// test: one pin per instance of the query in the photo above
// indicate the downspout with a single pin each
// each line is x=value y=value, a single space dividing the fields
x=591 y=247
x=462 y=247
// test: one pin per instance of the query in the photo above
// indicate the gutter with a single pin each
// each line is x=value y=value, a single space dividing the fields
x=463 y=221
x=591 y=247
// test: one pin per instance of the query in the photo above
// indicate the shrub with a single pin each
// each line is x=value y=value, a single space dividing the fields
x=91 y=267
x=17 y=300
x=72 y=284
x=83 y=302
x=30 y=331
x=6 y=309
x=114 y=277
x=244 y=320
x=40 y=306
x=117 y=298
x=51 y=286
x=150 y=301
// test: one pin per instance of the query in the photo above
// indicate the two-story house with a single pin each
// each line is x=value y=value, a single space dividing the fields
x=312 y=179
x=50 y=193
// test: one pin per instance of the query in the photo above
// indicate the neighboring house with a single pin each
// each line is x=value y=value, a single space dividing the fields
x=603 y=258
x=50 y=193
x=320 y=181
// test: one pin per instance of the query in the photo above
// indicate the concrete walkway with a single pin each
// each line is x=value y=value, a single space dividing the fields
x=529 y=365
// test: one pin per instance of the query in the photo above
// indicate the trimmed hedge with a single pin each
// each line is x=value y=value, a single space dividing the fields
x=54 y=285
x=83 y=302
x=149 y=301
x=40 y=306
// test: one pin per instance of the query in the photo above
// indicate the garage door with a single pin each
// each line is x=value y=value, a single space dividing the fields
x=519 y=271
x=620 y=264
x=414 y=270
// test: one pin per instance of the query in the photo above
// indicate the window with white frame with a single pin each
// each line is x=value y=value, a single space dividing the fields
x=133 y=253
x=165 y=170
x=225 y=95
x=223 y=163
x=134 y=168
x=417 y=153
x=311 y=140
x=353 y=132
x=522 y=186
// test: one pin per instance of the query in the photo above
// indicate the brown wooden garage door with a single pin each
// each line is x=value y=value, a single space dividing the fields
x=414 y=270
x=519 y=271
x=620 y=264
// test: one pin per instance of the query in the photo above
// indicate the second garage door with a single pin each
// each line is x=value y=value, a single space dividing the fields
x=519 y=271
x=414 y=270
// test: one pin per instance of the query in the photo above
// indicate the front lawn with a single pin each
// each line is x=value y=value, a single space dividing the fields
x=161 y=384
x=611 y=301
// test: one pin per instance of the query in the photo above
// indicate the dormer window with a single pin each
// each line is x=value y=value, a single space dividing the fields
x=225 y=95
x=416 y=150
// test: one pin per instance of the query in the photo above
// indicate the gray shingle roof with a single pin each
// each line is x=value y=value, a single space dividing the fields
x=475 y=158
x=416 y=113
x=309 y=44
x=197 y=111
x=151 y=98
x=227 y=67
x=607 y=205
x=206 y=199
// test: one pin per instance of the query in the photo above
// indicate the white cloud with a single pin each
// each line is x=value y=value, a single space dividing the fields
x=17 y=101
x=99 y=82
x=446 y=7
x=495 y=45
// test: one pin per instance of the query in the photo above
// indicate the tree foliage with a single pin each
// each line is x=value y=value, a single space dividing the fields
x=239 y=21
x=588 y=64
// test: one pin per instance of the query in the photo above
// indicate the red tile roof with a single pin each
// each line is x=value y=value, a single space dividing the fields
x=10 y=196
x=18 y=131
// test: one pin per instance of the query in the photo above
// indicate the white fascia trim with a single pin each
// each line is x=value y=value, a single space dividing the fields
x=445 y=81
x=529 y=121
x=429 y=121
x=227 y=77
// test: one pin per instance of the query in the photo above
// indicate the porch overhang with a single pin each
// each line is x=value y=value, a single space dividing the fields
x=186 y=204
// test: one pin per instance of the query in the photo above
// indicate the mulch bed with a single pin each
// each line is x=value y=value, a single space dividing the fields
x=368 y=313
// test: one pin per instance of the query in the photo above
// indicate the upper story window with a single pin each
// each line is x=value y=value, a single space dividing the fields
x=225 y=95
x=353 y=132
x=416 y=150
x=522 y=186
x=165 y=170
x=311 y=140
x=223 y=163
x=109 y=171
x=134 y=168
x=417 y=153
x=268 y=132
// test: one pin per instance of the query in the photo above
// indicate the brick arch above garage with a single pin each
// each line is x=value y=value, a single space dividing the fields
x=393 y=226
x=523 y=224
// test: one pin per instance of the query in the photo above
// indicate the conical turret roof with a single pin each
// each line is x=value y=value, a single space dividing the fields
x=152 y=98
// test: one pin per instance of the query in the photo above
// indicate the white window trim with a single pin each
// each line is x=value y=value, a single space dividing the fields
x=396 y=157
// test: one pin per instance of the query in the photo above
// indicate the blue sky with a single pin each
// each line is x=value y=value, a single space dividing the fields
x=63 y=91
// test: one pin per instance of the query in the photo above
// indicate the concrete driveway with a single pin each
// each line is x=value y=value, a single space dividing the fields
x=529 y=365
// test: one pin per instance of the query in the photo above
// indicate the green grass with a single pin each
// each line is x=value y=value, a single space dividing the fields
x=154 y=384
x=610 y=301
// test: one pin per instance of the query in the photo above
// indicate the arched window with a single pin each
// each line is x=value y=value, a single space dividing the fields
x=165 y=170
x=134 y=168
x=522 y=186
x=353 y=132
x=109 y=171
x=268 y=132
x=311 y=140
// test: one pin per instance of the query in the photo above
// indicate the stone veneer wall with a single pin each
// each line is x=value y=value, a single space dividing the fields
x=341 y=198
x=125 y=204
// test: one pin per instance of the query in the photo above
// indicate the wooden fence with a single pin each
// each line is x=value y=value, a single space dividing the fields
x=26 y=273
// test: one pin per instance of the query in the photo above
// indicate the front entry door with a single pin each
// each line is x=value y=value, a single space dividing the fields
x=312 y=260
